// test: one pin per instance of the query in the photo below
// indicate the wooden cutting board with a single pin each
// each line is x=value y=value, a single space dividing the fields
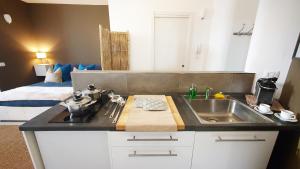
x=136 y=119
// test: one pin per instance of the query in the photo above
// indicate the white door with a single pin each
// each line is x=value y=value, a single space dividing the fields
x=171 y=38
x=233 y=150
x=74 y=149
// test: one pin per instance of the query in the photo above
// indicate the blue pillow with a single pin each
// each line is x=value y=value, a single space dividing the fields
x=87 y=67
x=98 y=67
x=65 y=69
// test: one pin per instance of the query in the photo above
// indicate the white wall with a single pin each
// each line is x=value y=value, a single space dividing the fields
x=226 y=51
x=221 y=30
x=245 y=13
x=275 y=34
x=137 y=17
x=211 y=37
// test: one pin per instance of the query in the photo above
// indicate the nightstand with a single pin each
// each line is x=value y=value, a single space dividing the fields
x=41 y=69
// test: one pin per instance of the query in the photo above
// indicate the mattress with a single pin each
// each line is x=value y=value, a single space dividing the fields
x=24 y=103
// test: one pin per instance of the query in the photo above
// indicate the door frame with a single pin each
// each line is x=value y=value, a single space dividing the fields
x=189 y=16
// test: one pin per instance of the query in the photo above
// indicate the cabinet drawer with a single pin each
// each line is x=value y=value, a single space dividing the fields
x=151 y=138
x=151 y=157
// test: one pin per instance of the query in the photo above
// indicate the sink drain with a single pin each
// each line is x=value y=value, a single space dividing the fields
x=212 y=120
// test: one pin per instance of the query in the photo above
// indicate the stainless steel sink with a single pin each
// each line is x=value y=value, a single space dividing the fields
x=227 y=111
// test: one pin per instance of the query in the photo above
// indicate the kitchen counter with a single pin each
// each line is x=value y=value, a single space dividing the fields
x=102 y=123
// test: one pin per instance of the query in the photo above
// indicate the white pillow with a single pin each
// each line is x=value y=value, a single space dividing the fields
x=53 y=76
x=75 y=69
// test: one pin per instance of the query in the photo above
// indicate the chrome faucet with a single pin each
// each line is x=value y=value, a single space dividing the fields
x=207 y=92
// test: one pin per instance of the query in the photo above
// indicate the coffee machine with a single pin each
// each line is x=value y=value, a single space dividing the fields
x=265 y=89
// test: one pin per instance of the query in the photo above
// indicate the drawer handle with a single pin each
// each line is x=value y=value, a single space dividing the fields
x=220 y=139
x=135 y=154
x=152 y=139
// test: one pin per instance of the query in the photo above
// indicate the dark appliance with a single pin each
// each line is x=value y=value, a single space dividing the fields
x=265 y=89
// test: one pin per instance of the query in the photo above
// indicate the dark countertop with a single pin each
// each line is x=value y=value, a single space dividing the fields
x=103 y=123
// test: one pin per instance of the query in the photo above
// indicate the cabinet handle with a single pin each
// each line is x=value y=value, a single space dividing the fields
x=152 y=139
x=220 y=139
x=135 y=154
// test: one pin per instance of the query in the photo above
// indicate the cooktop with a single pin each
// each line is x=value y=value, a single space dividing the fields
x=66 y=117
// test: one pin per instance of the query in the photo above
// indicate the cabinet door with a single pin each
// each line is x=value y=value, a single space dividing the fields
x=74 y=149
x=151 y=158
x=233 y=150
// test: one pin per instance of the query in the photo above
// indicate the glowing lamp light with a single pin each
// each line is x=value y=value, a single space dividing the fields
x=41 y=55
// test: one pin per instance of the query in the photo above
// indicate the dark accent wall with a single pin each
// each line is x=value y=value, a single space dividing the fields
x=15 y=41
x=290 y=96
x=69 y=32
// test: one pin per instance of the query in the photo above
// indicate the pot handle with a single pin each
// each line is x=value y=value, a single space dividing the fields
x=90 y=103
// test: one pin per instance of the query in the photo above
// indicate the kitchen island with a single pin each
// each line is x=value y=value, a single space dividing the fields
x=97 y=144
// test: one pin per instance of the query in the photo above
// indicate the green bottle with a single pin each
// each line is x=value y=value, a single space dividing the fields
x=192 y=92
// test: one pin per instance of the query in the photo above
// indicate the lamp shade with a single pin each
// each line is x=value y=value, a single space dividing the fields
x=41 y=55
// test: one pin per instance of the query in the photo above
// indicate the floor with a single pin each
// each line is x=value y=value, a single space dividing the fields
x=14 y=154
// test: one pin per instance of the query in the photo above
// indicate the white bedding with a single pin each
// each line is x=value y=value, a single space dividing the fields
x=30 y=93
x=20 y=113
x=36 y=93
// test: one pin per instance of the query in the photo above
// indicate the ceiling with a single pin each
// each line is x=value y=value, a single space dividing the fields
x=79 y=2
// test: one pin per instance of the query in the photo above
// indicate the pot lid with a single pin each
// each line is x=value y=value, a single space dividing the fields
x=78 y=99
x=91 y=89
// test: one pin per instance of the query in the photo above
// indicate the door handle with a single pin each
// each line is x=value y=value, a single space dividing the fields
x=255 y=139
x=135 y=154
x=152 y=139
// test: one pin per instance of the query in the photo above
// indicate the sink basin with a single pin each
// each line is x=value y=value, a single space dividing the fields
x=227 y=111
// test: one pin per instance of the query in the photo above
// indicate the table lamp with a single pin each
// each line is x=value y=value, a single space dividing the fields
x=41 y=55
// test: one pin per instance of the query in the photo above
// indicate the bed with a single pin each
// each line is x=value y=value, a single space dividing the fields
x=23 y=103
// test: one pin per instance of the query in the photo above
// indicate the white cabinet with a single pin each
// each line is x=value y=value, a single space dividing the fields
x=155 y=150
x=233 y=150
x=151 y=150
x=41 y=69
x=73 y=149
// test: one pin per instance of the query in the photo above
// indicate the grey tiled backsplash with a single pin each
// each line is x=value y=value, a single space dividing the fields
x=219 y=82
x=152 y=82
x=125 y=82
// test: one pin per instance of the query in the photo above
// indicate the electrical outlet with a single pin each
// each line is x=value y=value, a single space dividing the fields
x=2 y=64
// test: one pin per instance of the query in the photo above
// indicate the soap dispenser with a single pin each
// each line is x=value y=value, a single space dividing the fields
x=192 y=91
